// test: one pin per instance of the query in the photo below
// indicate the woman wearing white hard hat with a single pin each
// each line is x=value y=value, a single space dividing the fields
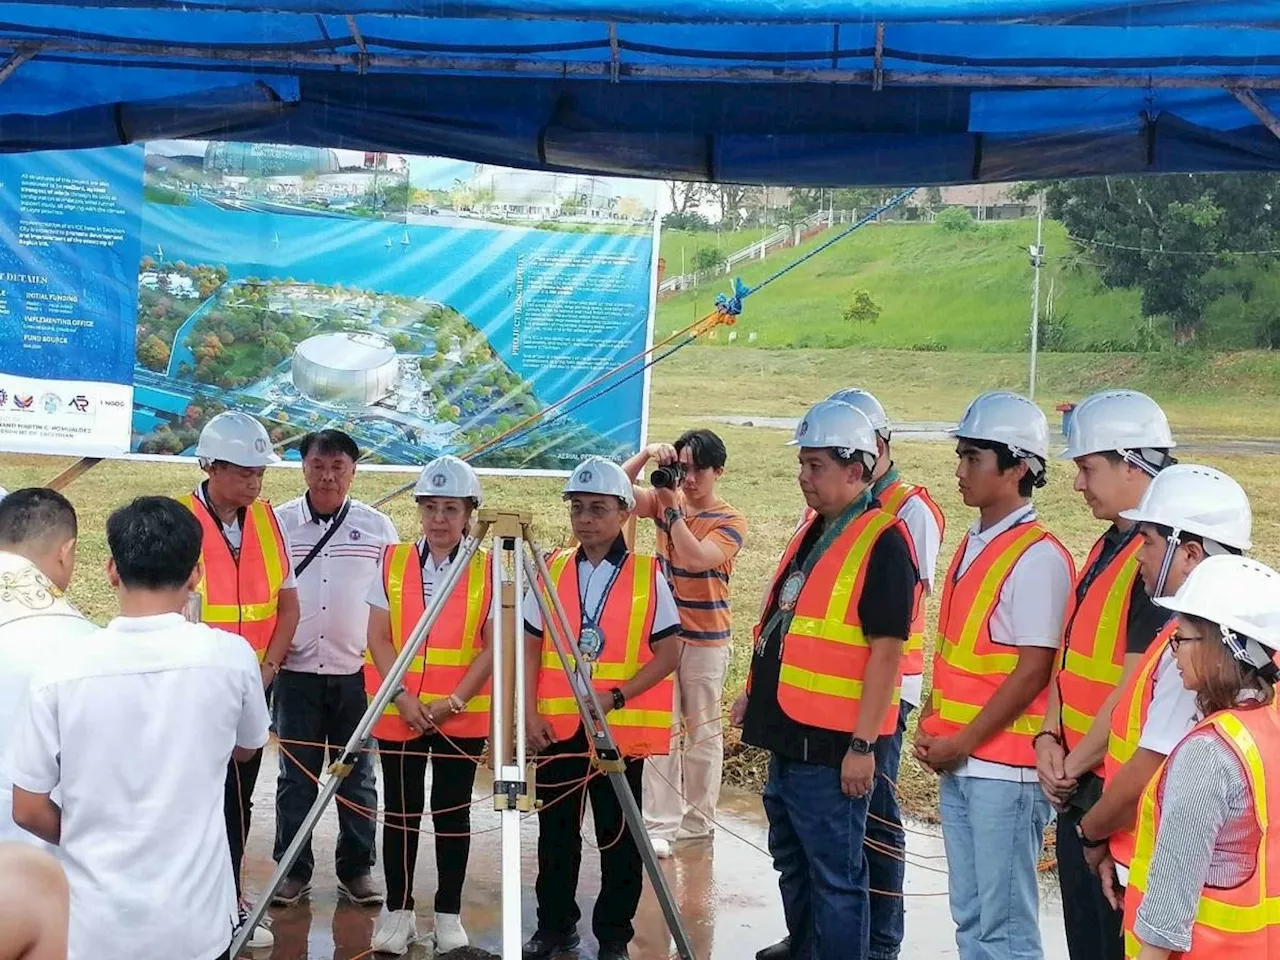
x=1206 y=871
x=1004 y=602
x=441 y=711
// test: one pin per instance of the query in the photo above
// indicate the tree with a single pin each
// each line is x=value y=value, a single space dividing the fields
x=708 y=258
x=862 y=308
x=685 y=195
x=732 y=200
x=153 y=353
x=1170 y=236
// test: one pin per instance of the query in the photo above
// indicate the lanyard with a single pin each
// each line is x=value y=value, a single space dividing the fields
x=201 y=498
x=594 y=618
x=320 y=544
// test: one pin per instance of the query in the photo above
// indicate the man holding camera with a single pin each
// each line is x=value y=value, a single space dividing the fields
x=698 y=536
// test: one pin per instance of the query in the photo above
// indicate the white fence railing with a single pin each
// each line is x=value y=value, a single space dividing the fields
x=785 y=236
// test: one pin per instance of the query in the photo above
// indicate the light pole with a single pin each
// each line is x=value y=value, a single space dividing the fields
x=1037 y=260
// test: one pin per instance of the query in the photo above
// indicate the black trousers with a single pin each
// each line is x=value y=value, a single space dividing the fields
x=1093 y=928
x=453 y=774
x=564 y=801
x=237 y=808
x=321 y=708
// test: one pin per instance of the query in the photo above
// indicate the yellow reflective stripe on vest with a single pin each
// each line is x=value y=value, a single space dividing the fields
x=230 y=613
x=475 y=596
x=399 y=559
x=1075 y=720
x=599 y=671
x=833 y=626
x=626 y=717
x=477 y=704
x=825 y=683
x=953 y=711
x=960 y=652
x=266 y=532
x=1109 y=625
x=641 y=590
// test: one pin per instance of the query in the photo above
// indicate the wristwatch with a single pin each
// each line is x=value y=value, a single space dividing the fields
x=671 y=515
x=860 y=746
x=1085 y=841
x=619 y=701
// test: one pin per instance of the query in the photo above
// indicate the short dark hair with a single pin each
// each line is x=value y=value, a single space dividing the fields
x=36 y=515
x=1006 y=461
x=1155 y=457
x=328 y=442
x=706 y=449
x=155 y=543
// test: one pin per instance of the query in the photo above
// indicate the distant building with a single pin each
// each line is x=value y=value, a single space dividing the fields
x=345 y=368
x=532 y=195
x=984 y=201
x=267 y=159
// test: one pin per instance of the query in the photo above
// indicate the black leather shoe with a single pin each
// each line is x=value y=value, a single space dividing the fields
x=545 y=946
x=613 y=951
x=779 y=951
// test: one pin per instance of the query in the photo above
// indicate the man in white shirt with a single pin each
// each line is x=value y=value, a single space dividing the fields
x=996 y=650
x=136 y=730
x=336 y=548
x=37 y=624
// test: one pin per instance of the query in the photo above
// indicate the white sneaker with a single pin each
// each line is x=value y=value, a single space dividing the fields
x=395 y=931
x=450 y=934
x=262 y=937
x=661 y=847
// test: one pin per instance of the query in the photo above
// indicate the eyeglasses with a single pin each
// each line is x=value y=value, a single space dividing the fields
x=1178 y=639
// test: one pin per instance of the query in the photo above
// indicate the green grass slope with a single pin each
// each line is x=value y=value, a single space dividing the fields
x=937 y=291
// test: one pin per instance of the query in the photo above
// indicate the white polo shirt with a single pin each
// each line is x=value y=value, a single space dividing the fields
x=926 y=539
x=137 y=730
x=235 y=536
x=593 y=581
x=332 y=590
x=1030 y=613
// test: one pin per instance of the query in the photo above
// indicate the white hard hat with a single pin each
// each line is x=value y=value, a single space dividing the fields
x=235 y=437
x=862 y=400
x=1007 y=418
x=1118 y=421
x=448 y=476
x=833 y=423
x=1189 y=498
x=1240 y=595
x=598 y=475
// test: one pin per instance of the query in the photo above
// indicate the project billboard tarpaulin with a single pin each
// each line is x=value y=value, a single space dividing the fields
x=423 y=305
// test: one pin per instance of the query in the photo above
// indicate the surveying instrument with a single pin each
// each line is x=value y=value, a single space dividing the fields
x=513 y=775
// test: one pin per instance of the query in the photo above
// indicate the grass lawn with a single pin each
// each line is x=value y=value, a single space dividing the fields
x=760 y=479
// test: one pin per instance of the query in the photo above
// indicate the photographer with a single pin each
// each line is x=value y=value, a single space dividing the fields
x=698 y=536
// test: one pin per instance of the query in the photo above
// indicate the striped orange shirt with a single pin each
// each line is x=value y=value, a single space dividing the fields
x=703 y=598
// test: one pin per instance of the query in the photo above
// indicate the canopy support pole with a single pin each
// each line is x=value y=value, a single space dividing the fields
x=16 y=59
x=359 y=39
x=615 y=60
x=1250 y=101
x=877 y=70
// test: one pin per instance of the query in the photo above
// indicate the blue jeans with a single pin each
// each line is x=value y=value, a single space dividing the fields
x=884 y=827
x=322 y=709
x=815 y=836
x=993 y=831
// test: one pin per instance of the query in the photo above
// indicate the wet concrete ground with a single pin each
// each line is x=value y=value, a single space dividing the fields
x=726 y=889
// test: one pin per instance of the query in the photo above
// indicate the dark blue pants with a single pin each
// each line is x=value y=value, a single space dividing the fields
x=322 y=709
x=884 y=827
x=816 y=837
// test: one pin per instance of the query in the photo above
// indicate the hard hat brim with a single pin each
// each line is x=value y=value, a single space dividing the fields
x=1269 y=639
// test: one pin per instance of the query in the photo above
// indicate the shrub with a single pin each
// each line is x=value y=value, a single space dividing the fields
x=708 y=258
x=862 y=308
x=956 y=220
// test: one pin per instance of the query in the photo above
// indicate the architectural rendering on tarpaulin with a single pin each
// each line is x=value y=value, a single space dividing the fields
x=345 y=368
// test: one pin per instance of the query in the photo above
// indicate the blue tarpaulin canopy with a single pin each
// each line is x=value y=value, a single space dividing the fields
x=817 y=92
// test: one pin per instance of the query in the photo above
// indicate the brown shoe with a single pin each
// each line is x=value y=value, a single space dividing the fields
x=360 y=890
x=290 y=892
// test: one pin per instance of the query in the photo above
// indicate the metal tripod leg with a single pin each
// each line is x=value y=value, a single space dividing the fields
x=607 y=755
x=339 y=770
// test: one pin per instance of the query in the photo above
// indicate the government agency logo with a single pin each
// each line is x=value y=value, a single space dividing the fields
x=4 y=397
x=51 y=403
x=804 y=428
x=584 y=476
x=260 y=445
x=438 y=480
x=355 y=535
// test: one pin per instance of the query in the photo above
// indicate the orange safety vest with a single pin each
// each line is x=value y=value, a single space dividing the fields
x=892 y=499
x=824 y=651
x=241 y=595
x=1094 y=648
x=643 y=726
x=1127 y=721
x=1240 y=921
x=969 y=666
x=454 y=641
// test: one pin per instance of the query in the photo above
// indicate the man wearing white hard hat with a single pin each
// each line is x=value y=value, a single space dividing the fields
x=629 y=630
x=319 y=696
x=440 y=712
x=1119 y=440
x=248 y=585
x=1202 y=883
x=1000 y=621
x=823 y=686
x=1189 y=513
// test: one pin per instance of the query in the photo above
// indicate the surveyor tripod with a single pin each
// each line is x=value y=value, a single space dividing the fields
x=513 y=778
